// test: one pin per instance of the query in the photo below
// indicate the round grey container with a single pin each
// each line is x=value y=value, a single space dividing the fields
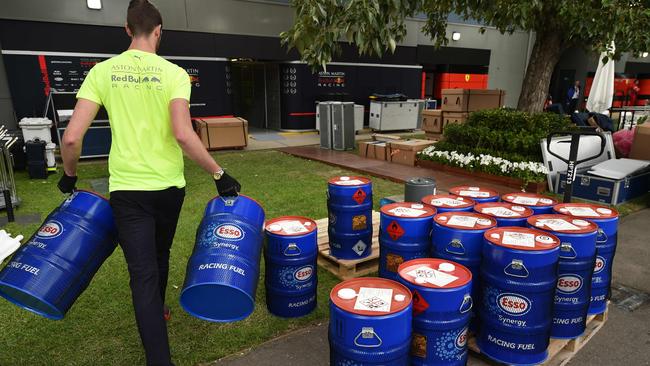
x=417 y=188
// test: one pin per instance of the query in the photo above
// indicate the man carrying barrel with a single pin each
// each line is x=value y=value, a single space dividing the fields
x=147 y=100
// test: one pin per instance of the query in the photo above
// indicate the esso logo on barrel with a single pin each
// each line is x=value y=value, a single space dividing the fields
x=304 y=273
x=599 y=265
x=229 y=231
x=569 y=284
x=513 y=304
x=461 y=339
x=50 y=229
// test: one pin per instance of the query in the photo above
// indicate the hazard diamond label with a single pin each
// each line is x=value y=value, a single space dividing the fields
x=359 y=247
x=394 y=230
x=419 y=303
x=359 y=196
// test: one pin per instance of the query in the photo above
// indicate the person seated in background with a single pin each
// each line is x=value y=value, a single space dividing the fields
x=573 y=96
x=549 y=106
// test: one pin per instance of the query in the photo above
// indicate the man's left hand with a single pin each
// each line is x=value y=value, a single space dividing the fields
x=67 y=184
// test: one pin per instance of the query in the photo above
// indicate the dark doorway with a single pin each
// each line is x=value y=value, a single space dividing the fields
x=248 y=98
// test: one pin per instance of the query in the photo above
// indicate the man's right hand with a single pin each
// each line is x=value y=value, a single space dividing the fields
x=67 y=183
x=227 y=186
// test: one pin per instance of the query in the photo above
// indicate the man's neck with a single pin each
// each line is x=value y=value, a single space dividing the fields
x=143 y=44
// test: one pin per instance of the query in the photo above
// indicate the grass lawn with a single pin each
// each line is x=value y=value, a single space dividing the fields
x=100 y=328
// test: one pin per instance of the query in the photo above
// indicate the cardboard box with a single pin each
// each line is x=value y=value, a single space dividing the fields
x=432 y=120
x=373 y=150
x=641 y=144
x=405 y=152
x=470 y=100
x=222 y=133
x=453 y=117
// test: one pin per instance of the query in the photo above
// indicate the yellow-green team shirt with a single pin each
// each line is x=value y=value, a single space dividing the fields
x=136 y=88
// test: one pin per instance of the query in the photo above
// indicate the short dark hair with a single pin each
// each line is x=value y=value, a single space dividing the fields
x=142 y=17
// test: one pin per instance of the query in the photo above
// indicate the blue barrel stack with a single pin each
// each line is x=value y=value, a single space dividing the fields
x=49 y=272
x=506 y=214
x=607 y=220
x=576 y=267
x=540 y=204
x=441 y=310
x=349 y=203
x=404 y=234
x=449 y=203
x=223 y=271
x=290 y=256
x=478 y=194
x=519 y=274
x=370 y=323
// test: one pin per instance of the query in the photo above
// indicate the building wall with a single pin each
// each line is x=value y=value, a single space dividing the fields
x=7 y=117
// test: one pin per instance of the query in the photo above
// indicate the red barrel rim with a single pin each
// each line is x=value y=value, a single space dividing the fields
x=510 y=237
x=503 y=210
x=370 y=300
x=478 y=191
x=586 y=210
x=290 y=226
x=480 y=222
x=408 y=210
x=529 y=199
x=337 y=181
x=436 y=276
x=562 y=224
x=442 y=201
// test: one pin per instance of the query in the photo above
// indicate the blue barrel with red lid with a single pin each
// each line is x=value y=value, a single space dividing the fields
x=539 y=203
x=349 y=206
x=506 y=214
x=449 y=203
x=478 y=194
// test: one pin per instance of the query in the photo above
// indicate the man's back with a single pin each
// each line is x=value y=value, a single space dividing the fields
x=136 y=88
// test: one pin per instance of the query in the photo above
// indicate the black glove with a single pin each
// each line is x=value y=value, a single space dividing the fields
x=227 y=186
x=67 y=183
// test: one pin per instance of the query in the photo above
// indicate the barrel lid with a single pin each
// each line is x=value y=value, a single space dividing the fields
x=473 y=192
x=349 y=181
x=587 y=210
x=421 y=181
x=408 y=210
x=434 y=273
x=562 y=224
x=290 y=225
x=528 y=199
x=371 y=296
x=465 y=220
x=448 y=201
x=521 y=238
x=503 y=210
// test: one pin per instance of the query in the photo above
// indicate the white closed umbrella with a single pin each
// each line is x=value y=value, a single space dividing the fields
x=602 y=89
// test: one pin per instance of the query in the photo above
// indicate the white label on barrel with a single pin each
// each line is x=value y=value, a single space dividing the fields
x=351 y=182
x=529 y=201
x=465 y=221
x=407 y=211
x=433 y=276
x=558 y=224
x=474 y=193
x=582 y=211
x=518 y=239
x=293 y=227
x=374 y=299
x=500 y=212
x=447 y=202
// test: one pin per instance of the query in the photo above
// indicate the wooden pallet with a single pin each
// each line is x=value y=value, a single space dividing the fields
x=560 y=351
x=348 y=268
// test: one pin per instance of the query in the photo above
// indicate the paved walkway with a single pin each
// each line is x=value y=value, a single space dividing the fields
x=624 y=339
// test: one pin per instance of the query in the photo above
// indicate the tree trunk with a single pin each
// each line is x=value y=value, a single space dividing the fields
x=546 y=53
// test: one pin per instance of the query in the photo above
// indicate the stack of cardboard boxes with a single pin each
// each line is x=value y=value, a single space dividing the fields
x=222 y=132
x=394 y=149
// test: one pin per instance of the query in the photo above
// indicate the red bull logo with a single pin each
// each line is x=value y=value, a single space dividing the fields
x=461 y=340
x=599 y=265
x=513 y=304
x=229 y=231
x=569 y=284
x=304 y=273
x=50 y=229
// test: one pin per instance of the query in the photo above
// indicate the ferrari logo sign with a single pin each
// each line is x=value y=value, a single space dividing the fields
x=467 y=76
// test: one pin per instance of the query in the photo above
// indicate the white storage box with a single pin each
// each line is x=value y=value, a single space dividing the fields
x=36 y=128
x=49 y=155
x=393 y=116
x=358 y=117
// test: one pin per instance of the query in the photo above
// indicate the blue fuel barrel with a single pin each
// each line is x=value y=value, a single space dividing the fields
x=458 y=237
x=478 y=194
x=349 y=203
x=540 y=204
x=519 y=273
x=222 y=273
x=290 y=255
x=577 y=260
x=506 y=214
x=49 y=272
x=404 y=234
x=607 y=220
x=441 y=310
x=449 y=203
x=370 y=323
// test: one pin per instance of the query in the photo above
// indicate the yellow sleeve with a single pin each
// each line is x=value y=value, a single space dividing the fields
x=181 y=87
x=89 y=89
